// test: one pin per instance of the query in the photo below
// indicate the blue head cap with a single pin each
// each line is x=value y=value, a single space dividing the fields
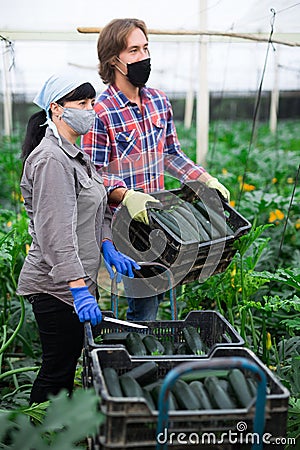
x=56 y=87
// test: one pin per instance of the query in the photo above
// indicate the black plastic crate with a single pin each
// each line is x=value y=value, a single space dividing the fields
x=214 y=329
x=188 y=260
x=131 y=424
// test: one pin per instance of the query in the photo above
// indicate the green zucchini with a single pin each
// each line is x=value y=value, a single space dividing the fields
x=153 y=345
x=148 y=397
x=188 y=232
x=134 y=344
x=240 y=387
x=182 y=349
x=217 y=220
x=172 y=401
x=112 y=382
x=168 y=222
x=227 y=388
x=204 y=224
x=252 y=386
x=185 y=396
x=203 y=373
x=193 y=340
x=168 y=348
x=151 y=386
x=201 y=394
x=130 y=386
x=115 y=338
x=186 y=212
x=144 y=373
x=219 y=398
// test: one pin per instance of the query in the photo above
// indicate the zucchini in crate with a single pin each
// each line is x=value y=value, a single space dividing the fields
x=201 y=394
x=115 y=338
x=112 y=382
x=153 y=346
x=193 y=340
x=144 y=373
x=185 y=210
x=130 y=386
x=134 y=344
x=155 y=395
x=148 y=397
x=187 y=231
x=219 y=398
x=240 y=387
x=182 y=349
x=169 y=348
x=167 y=221
x=185 y=396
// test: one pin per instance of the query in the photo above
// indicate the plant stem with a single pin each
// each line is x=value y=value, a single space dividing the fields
x=15 y=333
x=19 y=370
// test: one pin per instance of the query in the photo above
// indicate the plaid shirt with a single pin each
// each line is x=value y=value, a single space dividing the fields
x=134 y=148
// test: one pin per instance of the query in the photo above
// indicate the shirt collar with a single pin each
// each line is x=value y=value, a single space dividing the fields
x=121 y=98
x=72 y=150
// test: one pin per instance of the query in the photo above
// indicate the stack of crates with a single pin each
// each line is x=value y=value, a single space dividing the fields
x=131 y=424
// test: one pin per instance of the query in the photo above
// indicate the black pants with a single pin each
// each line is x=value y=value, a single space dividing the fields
x=61 y=336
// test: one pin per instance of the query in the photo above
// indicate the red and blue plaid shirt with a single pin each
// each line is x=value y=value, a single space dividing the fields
x=134 y=148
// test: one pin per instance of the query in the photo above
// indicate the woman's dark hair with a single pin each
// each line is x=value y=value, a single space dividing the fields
x=36 y=129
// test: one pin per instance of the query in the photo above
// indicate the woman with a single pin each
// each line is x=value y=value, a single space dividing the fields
x=70 y=223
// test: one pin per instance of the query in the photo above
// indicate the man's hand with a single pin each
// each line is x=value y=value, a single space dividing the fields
x=213 y=183
x=135 y=203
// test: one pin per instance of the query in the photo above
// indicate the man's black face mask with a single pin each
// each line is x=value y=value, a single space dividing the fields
x=138 y=72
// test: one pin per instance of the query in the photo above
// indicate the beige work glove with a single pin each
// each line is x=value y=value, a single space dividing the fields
x=213 y=183
x=135 y=203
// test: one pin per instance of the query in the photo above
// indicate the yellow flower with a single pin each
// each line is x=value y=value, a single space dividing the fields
x=290 y=180
x=232 y=203
x=274 y=180
x=9 y=224
x=21 y=198
x=245 y=186
x=268 y=342
x=248 y=187
x=233 y=273
x=276 y=215
x=27 y=247
x=224 y=171
x=297 y=224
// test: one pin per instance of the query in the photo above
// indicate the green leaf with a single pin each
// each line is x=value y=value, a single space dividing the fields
x=67 y=422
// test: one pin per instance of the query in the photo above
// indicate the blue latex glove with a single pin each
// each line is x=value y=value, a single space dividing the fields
x=121 y=262
x=86 y=306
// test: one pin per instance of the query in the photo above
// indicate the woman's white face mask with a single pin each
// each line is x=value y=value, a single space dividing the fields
x=80 y=120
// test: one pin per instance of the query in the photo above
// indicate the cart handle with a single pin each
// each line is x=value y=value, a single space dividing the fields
x=173 y=302
x=217 y=363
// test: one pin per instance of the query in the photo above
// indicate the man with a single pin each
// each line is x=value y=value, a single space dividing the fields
x=133 y=140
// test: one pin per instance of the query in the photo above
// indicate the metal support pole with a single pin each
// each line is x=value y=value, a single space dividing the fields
x=202 y=131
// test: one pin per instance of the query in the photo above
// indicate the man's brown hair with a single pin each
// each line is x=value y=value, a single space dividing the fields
x=112 y=41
